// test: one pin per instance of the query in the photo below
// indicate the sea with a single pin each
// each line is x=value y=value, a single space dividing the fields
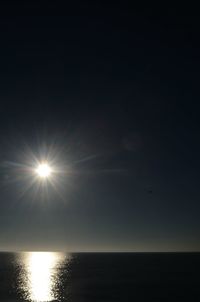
x=99 y=277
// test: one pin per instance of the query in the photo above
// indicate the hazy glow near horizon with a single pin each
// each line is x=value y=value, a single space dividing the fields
x=43 y=170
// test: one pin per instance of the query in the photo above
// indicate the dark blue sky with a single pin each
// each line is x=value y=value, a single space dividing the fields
x=114 y=92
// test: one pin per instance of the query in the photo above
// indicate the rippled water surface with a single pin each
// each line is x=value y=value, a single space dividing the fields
x=88 y=277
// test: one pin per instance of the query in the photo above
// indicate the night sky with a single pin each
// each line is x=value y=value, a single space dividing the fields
x=112 y=92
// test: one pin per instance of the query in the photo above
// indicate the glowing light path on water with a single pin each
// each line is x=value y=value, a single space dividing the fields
x=40 y=275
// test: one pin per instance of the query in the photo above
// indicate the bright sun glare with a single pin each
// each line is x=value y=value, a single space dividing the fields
x=43 y=170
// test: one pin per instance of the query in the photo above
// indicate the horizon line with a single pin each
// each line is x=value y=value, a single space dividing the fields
x=100 y=251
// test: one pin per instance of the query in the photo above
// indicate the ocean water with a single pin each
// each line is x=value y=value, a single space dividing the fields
x=102 y=277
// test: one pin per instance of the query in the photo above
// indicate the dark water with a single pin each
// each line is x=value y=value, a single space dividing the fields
x=99 y=277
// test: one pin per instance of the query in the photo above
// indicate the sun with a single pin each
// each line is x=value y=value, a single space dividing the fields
x=43 y=170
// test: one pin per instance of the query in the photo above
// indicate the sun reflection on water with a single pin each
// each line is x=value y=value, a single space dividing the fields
x=40 y=275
